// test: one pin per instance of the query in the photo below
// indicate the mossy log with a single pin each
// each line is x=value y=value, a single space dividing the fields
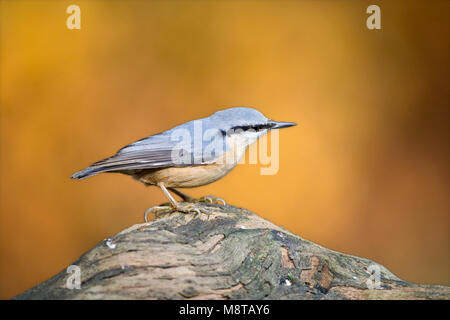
x=231 y=254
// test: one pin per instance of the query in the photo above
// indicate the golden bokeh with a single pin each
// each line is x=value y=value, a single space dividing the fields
x=365 y=172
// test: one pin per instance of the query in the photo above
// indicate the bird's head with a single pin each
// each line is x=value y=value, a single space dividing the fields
x=247 y=123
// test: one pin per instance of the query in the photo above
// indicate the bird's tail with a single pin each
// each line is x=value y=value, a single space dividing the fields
x=89 y=171
x=104 y=165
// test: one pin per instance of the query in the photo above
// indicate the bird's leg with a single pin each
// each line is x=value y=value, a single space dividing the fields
x=185 y=207
x=187 y=198
x=182 y=195
x=160 y=209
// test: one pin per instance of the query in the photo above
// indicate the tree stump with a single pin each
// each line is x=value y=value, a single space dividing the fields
x=231 y=254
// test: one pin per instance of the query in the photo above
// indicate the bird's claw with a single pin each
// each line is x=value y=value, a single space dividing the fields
x=186 y=207
x=183 y=207
x=212 y=199
x=157 y=211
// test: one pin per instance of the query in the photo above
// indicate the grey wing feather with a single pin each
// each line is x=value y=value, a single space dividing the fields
x=152 y=152
x=128 y=161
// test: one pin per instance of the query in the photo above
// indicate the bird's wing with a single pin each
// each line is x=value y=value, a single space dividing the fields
x=157 y=151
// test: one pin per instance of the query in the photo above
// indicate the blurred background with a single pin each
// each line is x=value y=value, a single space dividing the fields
x=366 y=172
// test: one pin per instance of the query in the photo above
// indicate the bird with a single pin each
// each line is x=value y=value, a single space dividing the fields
x=189 y=155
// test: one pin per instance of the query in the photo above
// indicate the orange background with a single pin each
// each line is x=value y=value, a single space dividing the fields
x=366 y=172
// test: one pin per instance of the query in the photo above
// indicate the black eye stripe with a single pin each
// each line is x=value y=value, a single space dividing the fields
x=256 y=127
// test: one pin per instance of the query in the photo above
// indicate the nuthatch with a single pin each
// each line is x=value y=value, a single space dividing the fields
x=166 y=161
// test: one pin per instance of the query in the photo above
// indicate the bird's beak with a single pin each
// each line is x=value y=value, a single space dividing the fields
x=279 y=125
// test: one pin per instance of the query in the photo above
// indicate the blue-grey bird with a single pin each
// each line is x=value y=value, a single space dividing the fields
x=190 y=155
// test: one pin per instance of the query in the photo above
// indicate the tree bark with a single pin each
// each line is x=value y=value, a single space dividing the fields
x=231 y=254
